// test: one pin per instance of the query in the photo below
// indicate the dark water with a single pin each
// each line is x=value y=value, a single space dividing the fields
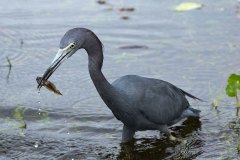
x=191 y=50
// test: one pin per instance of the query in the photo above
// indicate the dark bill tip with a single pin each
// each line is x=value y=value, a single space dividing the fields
x=40 y=82
x=46 y=75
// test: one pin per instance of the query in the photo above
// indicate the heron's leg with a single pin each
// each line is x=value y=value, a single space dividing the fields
x=164 y=129
x=127 y=134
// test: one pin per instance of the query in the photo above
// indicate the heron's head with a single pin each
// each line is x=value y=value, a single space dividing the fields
x=73 y=40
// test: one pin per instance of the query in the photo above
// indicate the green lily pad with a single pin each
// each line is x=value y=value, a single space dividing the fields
x=187 y=6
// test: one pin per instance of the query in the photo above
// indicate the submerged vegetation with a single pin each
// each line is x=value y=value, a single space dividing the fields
x=18 y=120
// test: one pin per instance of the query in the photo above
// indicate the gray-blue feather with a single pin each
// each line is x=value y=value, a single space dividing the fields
x=153 y=100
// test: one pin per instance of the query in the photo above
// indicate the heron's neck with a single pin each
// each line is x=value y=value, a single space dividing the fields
x=104 y=88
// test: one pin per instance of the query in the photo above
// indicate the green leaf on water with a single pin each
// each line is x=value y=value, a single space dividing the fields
x=233 y=85
x=231 y=90
x=234 y=78
x=187 y=6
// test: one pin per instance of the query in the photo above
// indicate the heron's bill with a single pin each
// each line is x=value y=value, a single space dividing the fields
x=60 y=57
x=57 y=61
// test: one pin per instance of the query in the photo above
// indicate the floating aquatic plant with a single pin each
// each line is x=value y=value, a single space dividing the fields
x=187 y=6
x=215 y=101
x=19 y=116
x=233 y=87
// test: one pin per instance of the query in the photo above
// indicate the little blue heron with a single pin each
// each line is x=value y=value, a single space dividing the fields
x=139 y=103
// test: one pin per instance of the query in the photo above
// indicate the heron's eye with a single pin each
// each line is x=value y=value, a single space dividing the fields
x=72 y=46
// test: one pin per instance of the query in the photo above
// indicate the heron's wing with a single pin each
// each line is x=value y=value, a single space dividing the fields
x=162 y=102
x=158 y=101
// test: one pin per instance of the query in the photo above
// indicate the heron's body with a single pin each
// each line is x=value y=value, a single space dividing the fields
x=153 y=100
x=139 y=103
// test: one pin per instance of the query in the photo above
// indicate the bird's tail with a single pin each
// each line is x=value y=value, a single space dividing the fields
x=191 y=96
x=195 y=111
x=191 y=112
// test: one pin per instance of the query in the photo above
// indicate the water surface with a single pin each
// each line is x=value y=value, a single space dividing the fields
x=191 y=50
